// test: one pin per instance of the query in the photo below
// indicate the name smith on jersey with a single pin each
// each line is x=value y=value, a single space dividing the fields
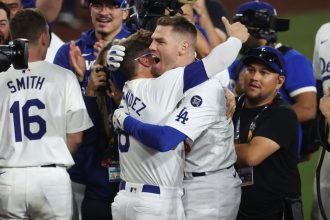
x=26 y=82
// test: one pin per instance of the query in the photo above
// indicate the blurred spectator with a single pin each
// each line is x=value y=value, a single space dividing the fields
x=66 y=16
x=13 y=5
x=205 y=22
x=4 y=24
x=51 y=9
x=211 y=10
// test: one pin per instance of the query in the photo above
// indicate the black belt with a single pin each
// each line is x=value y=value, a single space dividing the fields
x=145 y=188
x=49 y=165
x=194 y=174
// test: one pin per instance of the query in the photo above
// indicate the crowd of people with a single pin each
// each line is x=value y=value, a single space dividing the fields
x=193 y=118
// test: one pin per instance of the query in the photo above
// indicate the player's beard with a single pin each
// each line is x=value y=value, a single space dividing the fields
x=2 y=40
x=103 y=34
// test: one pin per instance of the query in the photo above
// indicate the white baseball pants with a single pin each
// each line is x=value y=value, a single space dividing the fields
x=212 y=196
x=147 y=202
x=37 y=193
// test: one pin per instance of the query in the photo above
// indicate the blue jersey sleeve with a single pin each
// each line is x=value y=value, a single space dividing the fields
x=194 y=74
x=62 y=57
x=299 y=75
x=161 y=138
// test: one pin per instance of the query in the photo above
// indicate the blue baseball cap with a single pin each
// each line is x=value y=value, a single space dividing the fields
x=29 y=3
x=119 y=2
x=257 y=6
x=268 y=56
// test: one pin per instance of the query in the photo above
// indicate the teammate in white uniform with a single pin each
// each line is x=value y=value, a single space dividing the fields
x=42 y=116
x=211 y=185
x=156 y=176
x=321 y=64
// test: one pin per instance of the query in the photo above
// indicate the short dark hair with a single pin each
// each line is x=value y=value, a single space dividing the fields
x=179 y=24
x=28 y=24
x=4 y=7
x=135 y=45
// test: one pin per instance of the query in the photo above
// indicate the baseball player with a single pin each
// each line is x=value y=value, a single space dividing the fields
x=42 y=116
x=152 y=180
x=321 y=64
x=211 y=185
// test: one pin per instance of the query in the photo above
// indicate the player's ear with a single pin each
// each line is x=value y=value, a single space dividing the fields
x=144 y=61
x=125 y=14
x=44 y=39
x=280 y=81
x=184 y=45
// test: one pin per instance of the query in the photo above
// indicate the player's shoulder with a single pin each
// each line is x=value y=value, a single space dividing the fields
x=171 y=72
x=53 y=70
x=212 y=84
x=324 y=28
x=211 y=87
x=294 y=57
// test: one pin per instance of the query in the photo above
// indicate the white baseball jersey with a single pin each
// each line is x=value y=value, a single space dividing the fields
x=321 y=58
x=39 y=106
x=150 y=101
x=202 y=117
x=54 y=45
x=321 y=64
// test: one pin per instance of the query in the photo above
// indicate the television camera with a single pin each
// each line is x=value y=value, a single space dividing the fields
x=16 y=53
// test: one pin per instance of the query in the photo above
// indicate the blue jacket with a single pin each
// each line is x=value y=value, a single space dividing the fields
x=87 y=169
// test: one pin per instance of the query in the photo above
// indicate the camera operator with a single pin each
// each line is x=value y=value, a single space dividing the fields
x=299 y=88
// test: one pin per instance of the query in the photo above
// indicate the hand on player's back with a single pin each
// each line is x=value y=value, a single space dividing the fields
x=118 y=118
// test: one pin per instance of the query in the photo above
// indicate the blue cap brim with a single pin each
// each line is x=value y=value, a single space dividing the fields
x=273 y=66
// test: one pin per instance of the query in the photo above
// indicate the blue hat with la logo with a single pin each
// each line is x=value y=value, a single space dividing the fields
x=268 y=56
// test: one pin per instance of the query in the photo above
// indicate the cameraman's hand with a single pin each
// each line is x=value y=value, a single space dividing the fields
x=118 y=118
x=77 y=61
x=114 y=93
x=236 y=29
x=96 y=79
x=115 y=56
x=230 y=103
x=98 y=47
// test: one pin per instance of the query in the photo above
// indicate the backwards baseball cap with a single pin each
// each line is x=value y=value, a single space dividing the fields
x=268 y=56
x=257 y=6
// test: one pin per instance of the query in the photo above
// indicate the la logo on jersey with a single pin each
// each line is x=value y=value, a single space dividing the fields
x=196 y=101
x=182 y=116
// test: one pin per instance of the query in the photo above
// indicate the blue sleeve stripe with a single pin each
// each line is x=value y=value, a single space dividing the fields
x=194 y=74
x=161 y=138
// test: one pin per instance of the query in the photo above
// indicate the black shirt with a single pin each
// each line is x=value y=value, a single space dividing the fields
x=277 y=176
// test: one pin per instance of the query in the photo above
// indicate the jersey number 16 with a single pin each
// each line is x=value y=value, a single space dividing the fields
x=28 y=120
